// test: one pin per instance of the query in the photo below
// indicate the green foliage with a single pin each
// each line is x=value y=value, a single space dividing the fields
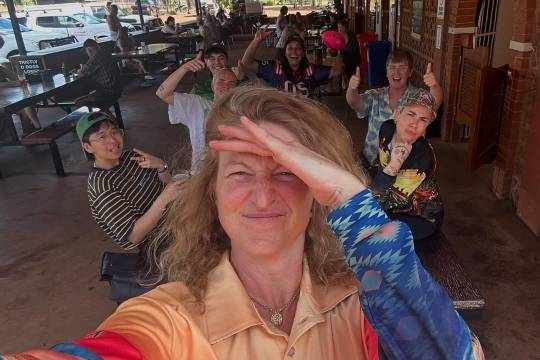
x=24 y=2
x=227 y=5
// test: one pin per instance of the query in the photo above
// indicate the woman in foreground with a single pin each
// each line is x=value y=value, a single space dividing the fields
x=257 y=264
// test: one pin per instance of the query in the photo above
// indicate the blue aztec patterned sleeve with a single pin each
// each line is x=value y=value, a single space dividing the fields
x=412 y=314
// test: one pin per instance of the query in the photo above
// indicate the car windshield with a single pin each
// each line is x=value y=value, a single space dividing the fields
x=87 y=18
x=5 y=25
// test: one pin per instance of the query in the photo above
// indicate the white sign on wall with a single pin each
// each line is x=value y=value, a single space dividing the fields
x=440 y=9
x=438 y=37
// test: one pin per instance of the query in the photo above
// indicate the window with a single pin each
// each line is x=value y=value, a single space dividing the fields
x=67 y=21
x=99 y=11
x=46 y=21
x=87 y=18
x=416 y=21
x=5 y=25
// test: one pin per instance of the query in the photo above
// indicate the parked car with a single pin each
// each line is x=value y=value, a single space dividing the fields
x=80 y=24
x=31 y=39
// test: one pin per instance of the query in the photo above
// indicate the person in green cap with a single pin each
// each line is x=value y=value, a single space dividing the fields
x=128 y=191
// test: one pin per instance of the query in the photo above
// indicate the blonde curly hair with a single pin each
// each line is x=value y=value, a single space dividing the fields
x=197 y=240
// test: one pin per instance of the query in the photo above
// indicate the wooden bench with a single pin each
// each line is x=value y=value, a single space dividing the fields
x=49 y=134
x=441 y=261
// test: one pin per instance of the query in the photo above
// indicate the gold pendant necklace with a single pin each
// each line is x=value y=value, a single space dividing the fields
x=276 y=316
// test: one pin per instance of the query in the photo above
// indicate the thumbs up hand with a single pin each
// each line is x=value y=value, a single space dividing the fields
x=356 y=79
x=200 y=55
x=429 y=77
x=196 y=64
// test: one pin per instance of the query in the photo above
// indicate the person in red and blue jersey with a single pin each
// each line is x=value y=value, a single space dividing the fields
x=291 y=72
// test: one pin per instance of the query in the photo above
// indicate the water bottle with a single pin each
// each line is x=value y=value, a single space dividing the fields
x=64 y=69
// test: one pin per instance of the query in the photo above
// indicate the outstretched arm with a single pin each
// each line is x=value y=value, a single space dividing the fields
x=411 y=313
x=249 y=55
x=166 y=90
x=151 y=217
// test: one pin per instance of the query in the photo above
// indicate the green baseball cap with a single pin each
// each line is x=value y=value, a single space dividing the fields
x=90 y=119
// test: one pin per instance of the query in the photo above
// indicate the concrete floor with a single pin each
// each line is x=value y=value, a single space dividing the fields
x=51 y=247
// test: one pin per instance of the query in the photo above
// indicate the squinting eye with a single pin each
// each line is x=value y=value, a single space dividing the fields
x=284 y=175
x=238 y=174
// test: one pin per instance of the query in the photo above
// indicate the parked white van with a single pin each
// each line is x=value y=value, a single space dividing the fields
x=82 y=25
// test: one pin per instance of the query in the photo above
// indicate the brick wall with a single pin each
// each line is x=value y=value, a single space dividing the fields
x=517 y=105
x=461 y=14
x=527 y=188
x=421 y=49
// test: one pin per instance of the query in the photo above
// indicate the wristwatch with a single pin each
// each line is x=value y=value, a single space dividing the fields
x=163 y=168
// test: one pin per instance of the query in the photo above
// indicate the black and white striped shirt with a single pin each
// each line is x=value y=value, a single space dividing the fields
x=120 y=196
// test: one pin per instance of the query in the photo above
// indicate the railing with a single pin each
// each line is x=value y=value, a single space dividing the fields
x=487 y=26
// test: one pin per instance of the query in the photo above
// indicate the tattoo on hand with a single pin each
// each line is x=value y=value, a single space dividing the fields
x=161 y=88
x=399 y=154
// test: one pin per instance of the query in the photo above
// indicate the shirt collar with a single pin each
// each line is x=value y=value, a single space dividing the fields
x=408 y=90
x=229 y=310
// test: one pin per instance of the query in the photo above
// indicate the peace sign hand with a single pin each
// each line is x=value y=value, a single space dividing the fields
x=330 y=184
x=262 y=34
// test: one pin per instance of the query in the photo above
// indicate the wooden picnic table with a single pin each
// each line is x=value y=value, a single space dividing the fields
x=16 y=96
x=146 y=52
x=187 y=43
x=150 y=53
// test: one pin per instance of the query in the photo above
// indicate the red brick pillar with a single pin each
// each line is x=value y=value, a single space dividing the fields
x=460 y=18
x=515 y=110
x=528 y=204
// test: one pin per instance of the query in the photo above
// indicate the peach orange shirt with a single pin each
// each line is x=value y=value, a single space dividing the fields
x=166 y=324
